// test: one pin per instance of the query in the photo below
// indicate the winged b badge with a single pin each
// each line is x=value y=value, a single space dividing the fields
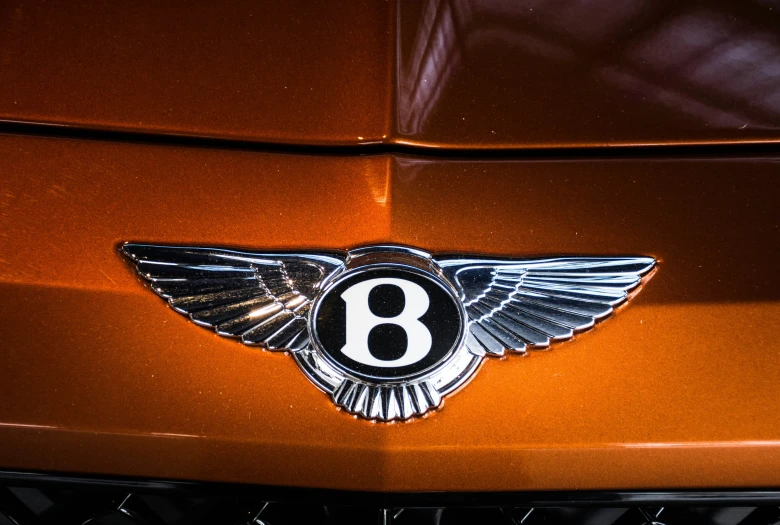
x=387 y=331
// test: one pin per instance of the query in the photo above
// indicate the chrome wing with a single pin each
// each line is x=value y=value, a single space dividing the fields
x=517 y=304
x=261 y=298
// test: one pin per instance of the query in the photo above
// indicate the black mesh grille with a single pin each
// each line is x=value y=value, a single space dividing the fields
x=103 y=503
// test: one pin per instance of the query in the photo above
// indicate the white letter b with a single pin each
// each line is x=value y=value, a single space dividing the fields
x=360 y=321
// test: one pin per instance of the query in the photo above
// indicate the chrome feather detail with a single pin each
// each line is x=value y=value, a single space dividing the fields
x=516 y=304
x=260 y=298
x=387 y=402
x=473 y=307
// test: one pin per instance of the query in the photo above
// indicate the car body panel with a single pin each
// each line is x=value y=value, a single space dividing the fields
x=100 y=376
x=505 y=74
x=292 y=72
x=454 y=74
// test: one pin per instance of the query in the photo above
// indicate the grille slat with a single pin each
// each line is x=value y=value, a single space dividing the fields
x=83 y=504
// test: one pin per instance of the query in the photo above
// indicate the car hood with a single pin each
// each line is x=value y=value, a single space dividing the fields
x=100 y=375
x=447 y=126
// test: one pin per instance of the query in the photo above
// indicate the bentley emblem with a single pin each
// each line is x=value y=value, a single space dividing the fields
x=388 y=331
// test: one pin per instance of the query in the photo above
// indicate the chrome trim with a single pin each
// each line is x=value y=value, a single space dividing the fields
x=516 y=304
x=317 y=345
x=271 y=300
x=387 y=400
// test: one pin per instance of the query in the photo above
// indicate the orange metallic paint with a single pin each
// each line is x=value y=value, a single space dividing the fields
x=292 y=71
x=99 y=375
x=434 y=73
